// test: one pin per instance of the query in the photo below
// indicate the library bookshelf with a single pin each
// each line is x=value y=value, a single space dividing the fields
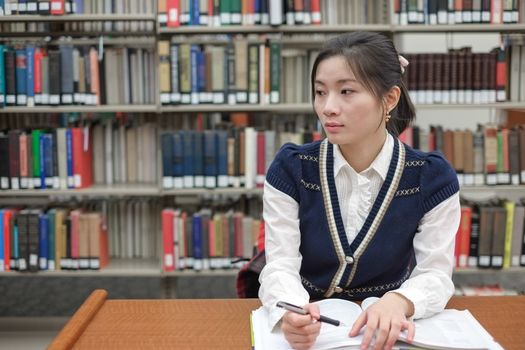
x=144 y=277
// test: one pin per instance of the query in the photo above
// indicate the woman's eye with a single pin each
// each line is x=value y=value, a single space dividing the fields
x=319 y=92
x=346 y=91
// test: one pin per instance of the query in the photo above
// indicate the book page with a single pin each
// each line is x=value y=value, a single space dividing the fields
x=330 y=337
x=452 y=329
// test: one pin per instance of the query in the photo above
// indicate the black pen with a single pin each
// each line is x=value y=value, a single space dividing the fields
x=301 y=311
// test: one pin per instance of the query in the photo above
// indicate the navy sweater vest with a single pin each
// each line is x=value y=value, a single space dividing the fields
x=381 y=257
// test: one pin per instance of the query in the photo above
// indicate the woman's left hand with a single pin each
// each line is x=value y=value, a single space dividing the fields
x=385 y=319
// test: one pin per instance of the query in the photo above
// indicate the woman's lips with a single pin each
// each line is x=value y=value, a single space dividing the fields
x=333 y=127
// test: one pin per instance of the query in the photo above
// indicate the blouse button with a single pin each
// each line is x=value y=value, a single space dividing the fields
x=349 y=260
x=338 y=289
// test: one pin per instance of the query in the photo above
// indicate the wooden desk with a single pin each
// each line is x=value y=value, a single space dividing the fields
x=224 y=324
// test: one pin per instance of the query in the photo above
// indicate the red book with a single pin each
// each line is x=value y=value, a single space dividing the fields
x=7 y=239
x=82 y=151
x=173 y=7
x=38 y=73
x=57 y=7
x=168 y=262
x=261 y=162
x=464 y=236
x=501 y=75
x=315 y=7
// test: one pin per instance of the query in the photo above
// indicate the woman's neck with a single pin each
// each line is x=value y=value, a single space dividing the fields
x=361 y=155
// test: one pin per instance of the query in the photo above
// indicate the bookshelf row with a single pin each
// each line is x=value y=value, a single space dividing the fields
x=254 y=73
x=215 y=154
x=288 y=108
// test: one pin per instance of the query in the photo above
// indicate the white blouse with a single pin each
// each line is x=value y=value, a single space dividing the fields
x=429 y=287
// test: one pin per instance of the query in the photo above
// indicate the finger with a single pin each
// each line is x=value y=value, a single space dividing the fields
x=313 y=310
x=382 y=333
x=411 y=330
x=296 y=320
x=393 y=335
x=358 y=324
x=371 y=326
x=312 y=328
x=301 y=341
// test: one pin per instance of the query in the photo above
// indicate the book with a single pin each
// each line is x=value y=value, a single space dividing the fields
x=450 y=329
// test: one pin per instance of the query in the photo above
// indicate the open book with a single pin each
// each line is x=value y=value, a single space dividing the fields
x=450 y=329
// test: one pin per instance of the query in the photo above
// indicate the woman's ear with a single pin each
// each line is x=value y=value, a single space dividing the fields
x=392 y=98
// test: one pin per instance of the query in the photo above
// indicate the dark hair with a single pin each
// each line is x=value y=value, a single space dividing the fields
x=375 y=62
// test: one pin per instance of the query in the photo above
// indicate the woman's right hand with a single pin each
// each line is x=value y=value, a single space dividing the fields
x=301 y=331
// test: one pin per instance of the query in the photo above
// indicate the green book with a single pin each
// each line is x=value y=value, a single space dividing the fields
x=275 y=72
x=35 y=136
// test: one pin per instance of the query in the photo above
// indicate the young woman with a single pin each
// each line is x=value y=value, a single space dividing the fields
x=359 y=213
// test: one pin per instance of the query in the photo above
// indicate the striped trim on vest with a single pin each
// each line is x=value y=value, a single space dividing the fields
x=347 y=255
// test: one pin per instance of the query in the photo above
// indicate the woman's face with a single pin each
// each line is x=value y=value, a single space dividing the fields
x=350 y=114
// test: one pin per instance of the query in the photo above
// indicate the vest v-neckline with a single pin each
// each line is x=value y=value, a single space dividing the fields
x=348 y=254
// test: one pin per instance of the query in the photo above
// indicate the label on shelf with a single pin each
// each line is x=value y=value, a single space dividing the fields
x=167 y=182
x=503 y=178
x=15 y=185
x=492 y=179
x=32 y=7
x=54 y=99
x=468 y=179
x=199 y=181
x=44 y=99
x=165 y=98
x=37 y=183
x=218 y=97
x=188 y=181
x=67 y=99
x=4 y=183
x=178 y=182
x=21 y=100
x=175 y=97
x=515 y=179
x=162 y=18
x=10 y=99
x=43 y=6
x=56 y=6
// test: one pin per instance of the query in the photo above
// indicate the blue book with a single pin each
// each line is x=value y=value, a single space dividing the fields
x=178 y=160
x=51 y=214
x=194 y=13
x=15 y=248
x=42 y=153
x=30 y=53
x=166 y=141
x=43 y=241
x=21 y=77
x=210 y=159
x=197 y=241
x=2 y=248
x=198 y=158
x=222 y=158
x=187 y=140
x=194 y=50
x=69 y=158
x=2 y=7
x=257 y=11
x=78 y=6
x=204 y=97
x=2 y=70
x=48 y=159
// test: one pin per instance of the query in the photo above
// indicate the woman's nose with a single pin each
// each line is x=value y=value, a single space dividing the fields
x=331 y=106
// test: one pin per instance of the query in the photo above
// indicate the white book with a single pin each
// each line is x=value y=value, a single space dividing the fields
x=250 y=160
x=450 y=329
